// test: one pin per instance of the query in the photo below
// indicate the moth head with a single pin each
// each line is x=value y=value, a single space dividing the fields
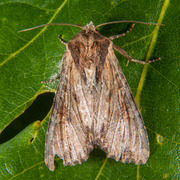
x=89 y=27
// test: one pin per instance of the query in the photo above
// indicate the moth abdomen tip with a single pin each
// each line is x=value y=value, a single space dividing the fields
x=50 y=166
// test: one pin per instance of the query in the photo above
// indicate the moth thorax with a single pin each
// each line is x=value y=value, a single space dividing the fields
x=90 y=73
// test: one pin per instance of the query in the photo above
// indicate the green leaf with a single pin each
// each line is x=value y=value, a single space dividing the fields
x=28 y=58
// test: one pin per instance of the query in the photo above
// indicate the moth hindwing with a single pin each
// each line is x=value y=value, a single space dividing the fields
x=94 y=105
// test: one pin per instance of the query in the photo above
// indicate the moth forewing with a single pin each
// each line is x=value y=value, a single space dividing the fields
x=125 y=137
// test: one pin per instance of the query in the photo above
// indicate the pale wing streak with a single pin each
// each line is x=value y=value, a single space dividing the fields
x=79 y=123
x=82 y=95
x=113 y=125
x=112 y=115
x=75 y=151
x=72 y=152
x=76 y=132
x=105 y=117
x=86 y=104
x=96 y=125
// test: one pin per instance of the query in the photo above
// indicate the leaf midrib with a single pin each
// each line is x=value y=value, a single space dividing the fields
x=145 y=68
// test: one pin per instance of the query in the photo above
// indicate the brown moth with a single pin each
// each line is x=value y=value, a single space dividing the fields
x=94 y=104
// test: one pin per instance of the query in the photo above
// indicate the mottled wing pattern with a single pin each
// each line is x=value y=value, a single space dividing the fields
x=67 y=135
x=94 y=105
x=120 y=129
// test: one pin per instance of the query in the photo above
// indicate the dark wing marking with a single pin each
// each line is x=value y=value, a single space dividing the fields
x=120 y=129
x=67 y=136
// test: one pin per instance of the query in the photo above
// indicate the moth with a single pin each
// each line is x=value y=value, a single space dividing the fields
x=94 y=104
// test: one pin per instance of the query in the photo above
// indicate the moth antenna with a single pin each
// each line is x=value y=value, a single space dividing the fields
x=127 y=21
x=51 y=24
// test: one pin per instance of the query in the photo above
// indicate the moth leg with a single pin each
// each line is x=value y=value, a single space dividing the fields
x=124 y=53
x=123 y=34
x=51 y=80
x=65 y=43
